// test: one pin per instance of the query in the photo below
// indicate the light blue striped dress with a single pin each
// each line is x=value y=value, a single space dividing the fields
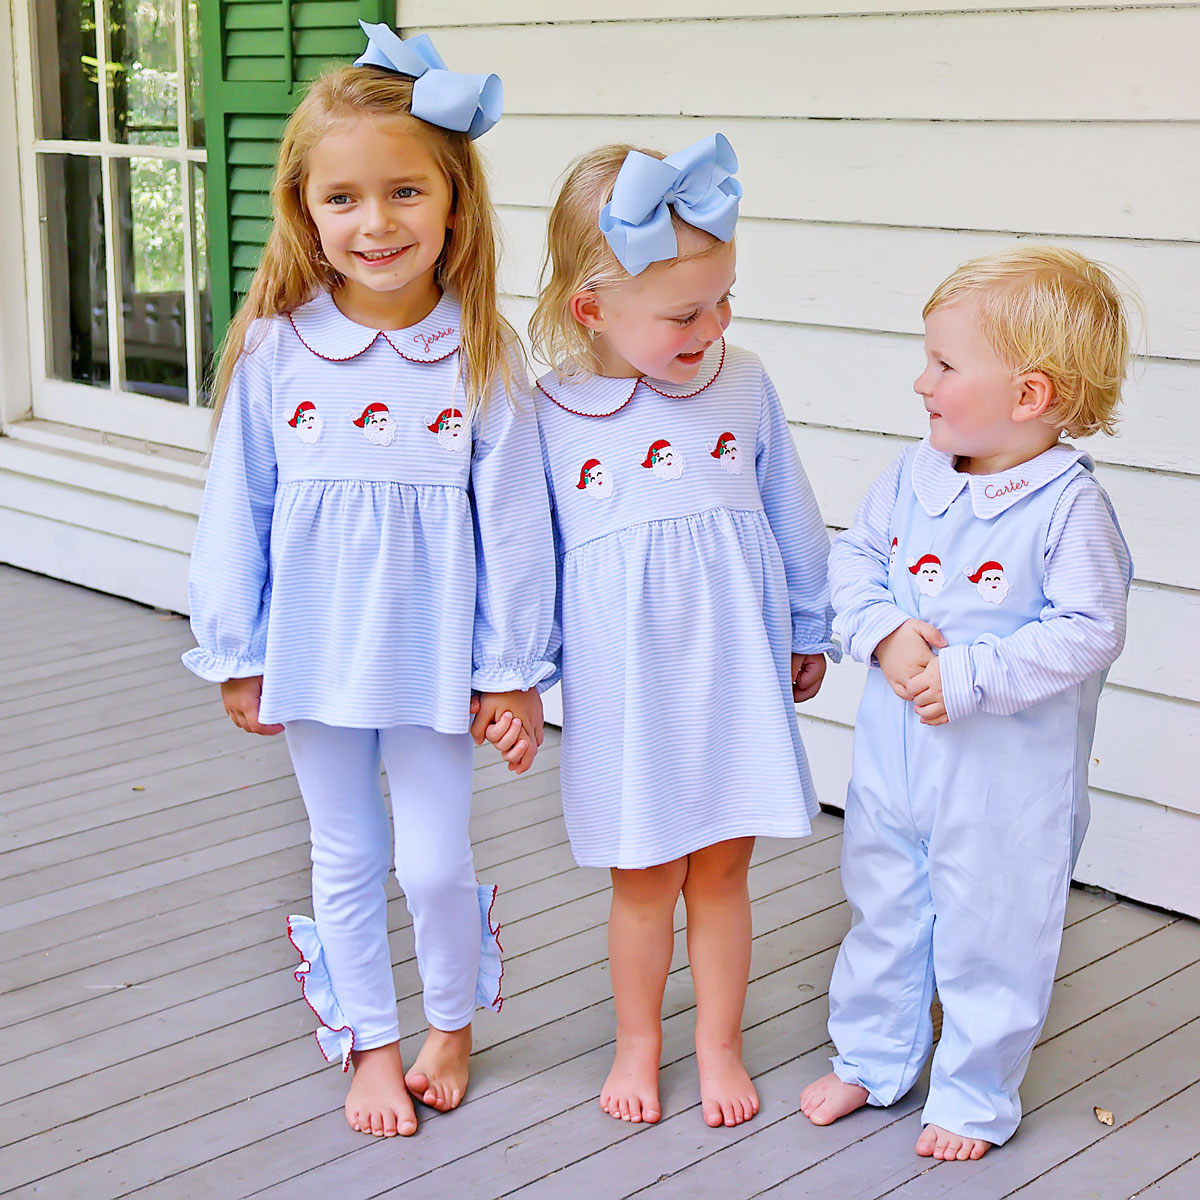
x=360 y=545
x=692 y=564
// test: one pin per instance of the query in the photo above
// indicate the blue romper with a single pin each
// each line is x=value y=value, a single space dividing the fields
x=960 y=838
x=692 y=564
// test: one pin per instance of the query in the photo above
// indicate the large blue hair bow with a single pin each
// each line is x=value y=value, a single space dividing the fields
x=470 y=104
x=697 y=183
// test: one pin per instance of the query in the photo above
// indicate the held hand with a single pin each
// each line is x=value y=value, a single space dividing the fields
x=241 y=698
x=808 y=670
x=512 y=722
x=926 y=688
x=906 y=652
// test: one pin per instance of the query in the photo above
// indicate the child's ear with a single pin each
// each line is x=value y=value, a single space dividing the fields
x=1036 y=396
x=587 y=310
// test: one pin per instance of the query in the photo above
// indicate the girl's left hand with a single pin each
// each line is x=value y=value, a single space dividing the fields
x=926 y=689
x=808 y=670
x=512 y=722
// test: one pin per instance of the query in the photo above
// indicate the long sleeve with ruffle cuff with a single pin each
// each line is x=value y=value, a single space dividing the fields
x=229 y=583
x=334 y=1035
x=514 y=547
x=491 y=968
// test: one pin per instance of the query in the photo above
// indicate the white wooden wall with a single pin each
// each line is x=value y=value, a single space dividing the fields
x=880 y=147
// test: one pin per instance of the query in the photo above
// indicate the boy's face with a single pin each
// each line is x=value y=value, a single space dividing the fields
x=661 y=322
x=970 y=393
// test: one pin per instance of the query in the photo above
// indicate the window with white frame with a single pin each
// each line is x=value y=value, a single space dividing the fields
x=113 y=180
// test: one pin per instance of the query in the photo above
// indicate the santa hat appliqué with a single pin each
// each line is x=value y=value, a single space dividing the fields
x=303 y=407
x=370 y=412
x=990 y=565
x=926 y=560
x=587 y=467
x=655 y=451
x=725 y=443
x=444 y=418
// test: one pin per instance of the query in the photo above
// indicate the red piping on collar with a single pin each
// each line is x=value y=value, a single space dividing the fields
x=379 y=333
x=641 y=379
x=327 y=357
x=689 y=395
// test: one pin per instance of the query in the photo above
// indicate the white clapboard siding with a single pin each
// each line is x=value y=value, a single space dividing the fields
x=880 y=145
x=1049 y=65
x=881 y=172
x=878 y=277
x=430 y=14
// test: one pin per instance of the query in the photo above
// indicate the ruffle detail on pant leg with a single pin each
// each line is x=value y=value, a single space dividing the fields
x=334 y=1036
x=491 y=968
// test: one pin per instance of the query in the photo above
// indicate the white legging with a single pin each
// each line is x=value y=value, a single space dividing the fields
x=429 y=775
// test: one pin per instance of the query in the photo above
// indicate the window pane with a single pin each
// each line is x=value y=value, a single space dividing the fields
x=195 y=91
x=204 y=297
x=70 y=97
x=144 y=74
x=77 y=307
x=149 y=203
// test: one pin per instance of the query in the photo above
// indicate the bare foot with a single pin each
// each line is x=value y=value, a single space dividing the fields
x=824 y=1101
x=378 y=1102
x=439 y=1076
x=727 y=1095
x=936 y=1142
x=630 y=1092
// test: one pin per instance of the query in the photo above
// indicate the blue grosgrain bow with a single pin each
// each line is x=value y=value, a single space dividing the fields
x=697 y=183
x=470 y=104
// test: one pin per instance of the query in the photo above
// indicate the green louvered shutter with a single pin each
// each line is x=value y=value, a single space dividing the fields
x=257 y=56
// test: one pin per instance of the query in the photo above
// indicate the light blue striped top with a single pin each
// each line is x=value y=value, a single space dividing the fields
x=692 y=565
x=363 y=547
x=1088 y=568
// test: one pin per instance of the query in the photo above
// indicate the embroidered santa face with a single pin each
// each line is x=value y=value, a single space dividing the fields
x=451 y=430
x=377 y=425
x=990 y=581
x=664 y=460
x=307 y=423
x=927 y=574
x=726 y=452
x=893 y=552
x=595 y=480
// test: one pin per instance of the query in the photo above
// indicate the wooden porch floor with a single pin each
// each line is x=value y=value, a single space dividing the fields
x=152 y=1041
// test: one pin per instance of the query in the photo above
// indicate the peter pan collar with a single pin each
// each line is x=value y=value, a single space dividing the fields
x=937 y=484
x=603 y=395
x=325 y=330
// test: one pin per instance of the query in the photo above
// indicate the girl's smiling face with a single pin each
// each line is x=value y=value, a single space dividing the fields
x=660 y=323
x=382 y=206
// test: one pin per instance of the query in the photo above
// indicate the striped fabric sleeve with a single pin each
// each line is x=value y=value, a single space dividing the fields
x=229 y=582
x=796 y=523
x=1082 y=627
x=858 y=571
x=514 y=546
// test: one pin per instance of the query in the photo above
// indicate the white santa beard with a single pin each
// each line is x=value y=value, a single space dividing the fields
x=380 y=433
x=669 y=470
x=600 y=488
x=452 y=439
x=309 y=431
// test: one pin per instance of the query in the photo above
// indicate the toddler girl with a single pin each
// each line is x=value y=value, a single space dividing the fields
x=693 y=598
x=375 y=543
x=986 y=577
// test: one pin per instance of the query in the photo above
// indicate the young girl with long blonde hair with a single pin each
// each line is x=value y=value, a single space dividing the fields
x=374 y=546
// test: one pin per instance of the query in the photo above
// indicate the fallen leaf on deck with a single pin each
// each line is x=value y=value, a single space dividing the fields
x=1103 y=1115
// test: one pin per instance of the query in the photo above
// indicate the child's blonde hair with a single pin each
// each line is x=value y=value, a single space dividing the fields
x=1049 y=309
x=293 y=269
x=579 y=258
